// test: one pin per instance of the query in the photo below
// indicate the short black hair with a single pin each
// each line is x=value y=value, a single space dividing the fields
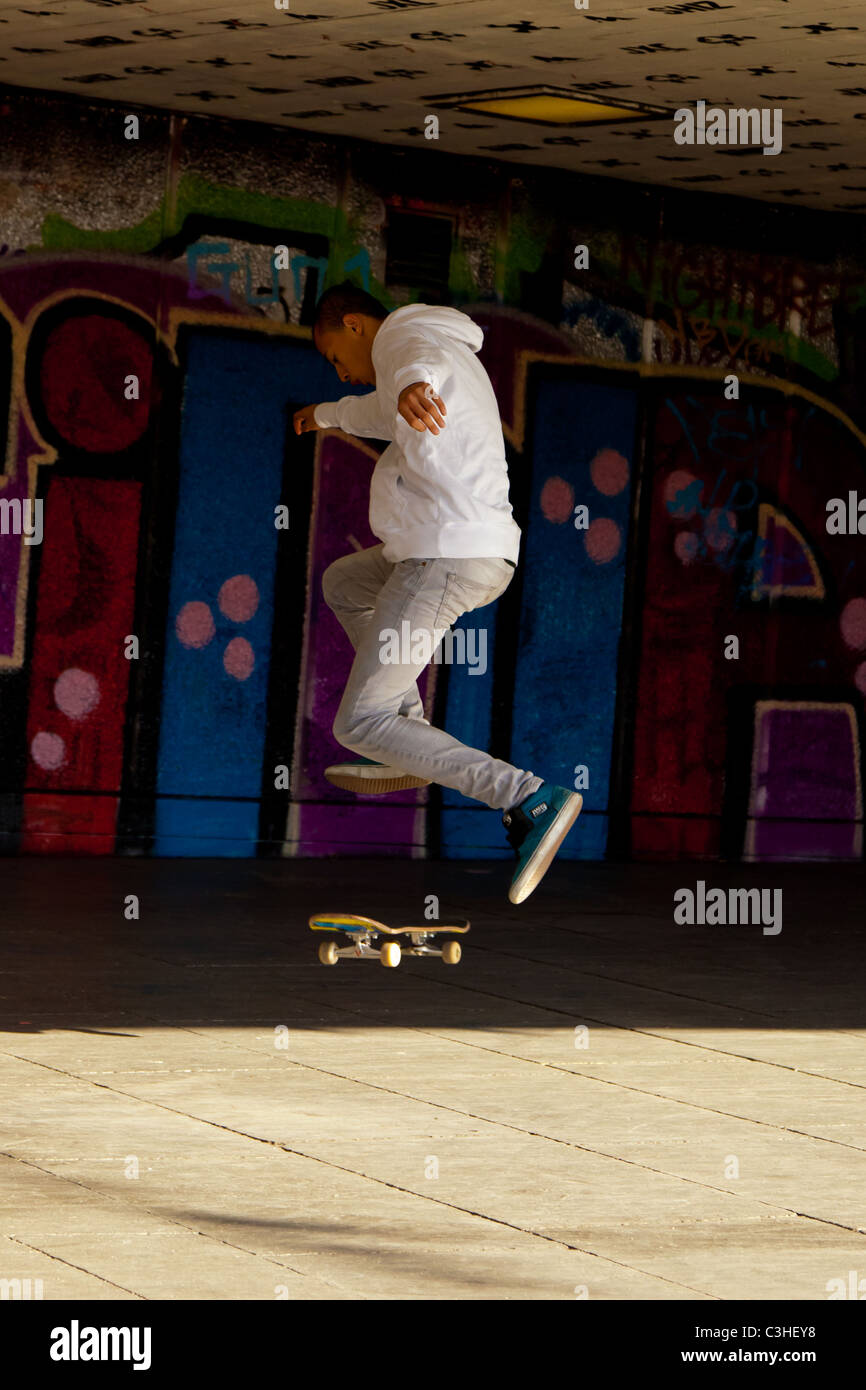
x=345 y=298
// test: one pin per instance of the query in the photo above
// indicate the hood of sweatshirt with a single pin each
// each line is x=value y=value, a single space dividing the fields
x=423 y=318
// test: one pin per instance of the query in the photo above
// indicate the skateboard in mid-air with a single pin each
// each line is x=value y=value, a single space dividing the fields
x=364 y=932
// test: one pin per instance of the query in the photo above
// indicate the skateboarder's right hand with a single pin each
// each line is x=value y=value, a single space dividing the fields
x=305 y=420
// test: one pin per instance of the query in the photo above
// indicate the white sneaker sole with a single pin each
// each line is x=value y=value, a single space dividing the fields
x=372 y=781
x=534 y=871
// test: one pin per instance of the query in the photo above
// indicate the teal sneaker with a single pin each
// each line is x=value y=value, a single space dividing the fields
x=368 y=778
x=535 y=829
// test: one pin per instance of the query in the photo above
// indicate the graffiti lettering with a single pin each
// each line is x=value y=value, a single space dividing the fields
x=743 y=302
x=209 y=255
x=715 y=343
x=747 y=442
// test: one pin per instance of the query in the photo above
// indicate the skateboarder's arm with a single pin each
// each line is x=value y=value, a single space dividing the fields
x=359 y=415
x=419 y=361
x=417 y=375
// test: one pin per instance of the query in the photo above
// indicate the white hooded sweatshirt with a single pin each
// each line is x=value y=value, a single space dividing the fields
x=433 y=495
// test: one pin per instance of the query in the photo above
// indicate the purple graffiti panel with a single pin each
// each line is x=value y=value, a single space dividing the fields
x=806 y=798
x=326 y=819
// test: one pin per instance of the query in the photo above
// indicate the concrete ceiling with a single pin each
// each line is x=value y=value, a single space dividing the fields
x=374 y=69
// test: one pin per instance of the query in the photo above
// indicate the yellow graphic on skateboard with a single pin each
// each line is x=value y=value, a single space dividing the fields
x=365 y=930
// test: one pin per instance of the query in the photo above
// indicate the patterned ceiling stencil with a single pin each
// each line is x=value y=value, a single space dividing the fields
x=377 y=69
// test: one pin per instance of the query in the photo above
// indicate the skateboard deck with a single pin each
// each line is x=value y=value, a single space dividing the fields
x=365 y=930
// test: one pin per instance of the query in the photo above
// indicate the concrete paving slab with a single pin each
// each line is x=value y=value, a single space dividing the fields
x=307 y=1171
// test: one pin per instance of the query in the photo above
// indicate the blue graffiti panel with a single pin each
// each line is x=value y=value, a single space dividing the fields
x=468 y=829
x=573 y=581
x=221 y=607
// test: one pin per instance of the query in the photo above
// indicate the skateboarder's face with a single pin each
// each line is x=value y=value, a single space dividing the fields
x=349 y=349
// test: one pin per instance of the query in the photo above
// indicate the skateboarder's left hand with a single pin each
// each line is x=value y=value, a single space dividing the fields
x=305 y=419
x=420 y=410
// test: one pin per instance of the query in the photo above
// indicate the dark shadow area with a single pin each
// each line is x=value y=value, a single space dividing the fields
x=228 y=941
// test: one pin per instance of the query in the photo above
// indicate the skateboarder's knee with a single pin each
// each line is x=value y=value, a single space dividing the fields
x=334 y=580
x=344 y=731
x=351 y=731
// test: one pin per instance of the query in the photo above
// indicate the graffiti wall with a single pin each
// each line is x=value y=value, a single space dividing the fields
x=681 y=398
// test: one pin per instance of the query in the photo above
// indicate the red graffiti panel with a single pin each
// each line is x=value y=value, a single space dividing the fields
x=85 y=368
x=738 y=549
x=79 y=674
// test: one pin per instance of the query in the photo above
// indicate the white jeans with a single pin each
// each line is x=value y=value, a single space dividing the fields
x=381 y=715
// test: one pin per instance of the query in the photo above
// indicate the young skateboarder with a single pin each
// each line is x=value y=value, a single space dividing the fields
x=439 y=505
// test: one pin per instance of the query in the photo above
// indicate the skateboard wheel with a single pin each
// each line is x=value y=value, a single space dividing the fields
x=390 y=953
x=451 y=952
x=328 y=953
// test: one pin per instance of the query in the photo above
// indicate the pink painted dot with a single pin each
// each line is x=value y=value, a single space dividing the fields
x=76 y=692
x=239 y=659
x=720 y=529
x=686 y=547
x=239 y=598
x=852 y=623
x=682 y=507
x=609 y=472
x=860 y=678
x=602 y=539
x=48 y=751
x=557 y=500
x=194 y=625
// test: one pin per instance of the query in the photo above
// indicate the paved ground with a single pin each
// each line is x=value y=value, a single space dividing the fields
x=432 y=1132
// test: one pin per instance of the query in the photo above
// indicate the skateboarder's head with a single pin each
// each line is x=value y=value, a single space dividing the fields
x=347 y=320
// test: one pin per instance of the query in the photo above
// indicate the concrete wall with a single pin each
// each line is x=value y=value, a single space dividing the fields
x=610 y=662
